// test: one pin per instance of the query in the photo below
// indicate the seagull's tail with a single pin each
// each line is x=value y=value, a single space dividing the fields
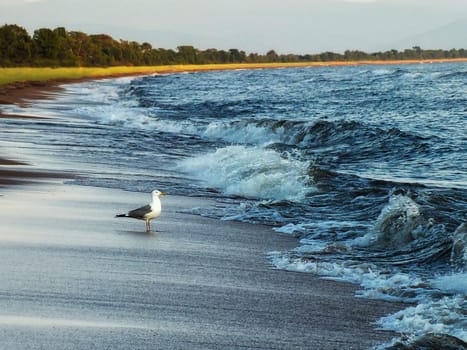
x=121 y=216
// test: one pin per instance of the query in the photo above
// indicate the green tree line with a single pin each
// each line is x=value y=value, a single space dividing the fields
x=59 y=47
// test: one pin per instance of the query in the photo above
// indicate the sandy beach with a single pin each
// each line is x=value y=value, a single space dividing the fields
x=75 y=277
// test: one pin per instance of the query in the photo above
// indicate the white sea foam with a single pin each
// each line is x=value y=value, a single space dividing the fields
x=396 y=224
x=459 y=247
x=99 y=91
x=382 y=71
x=251 y=172
x=432 y=314
x=318 y=227
x=133 y=118
x=375 y=283
x=453 y=283
x=292 y=229
x=244 y=133
x=104 y=104
x=446 y=315
x=101 y=101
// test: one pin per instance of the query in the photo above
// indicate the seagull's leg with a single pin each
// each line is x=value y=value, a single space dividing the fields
x=148 y=226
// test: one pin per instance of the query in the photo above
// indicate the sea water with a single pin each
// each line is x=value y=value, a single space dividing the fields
x=366 y=166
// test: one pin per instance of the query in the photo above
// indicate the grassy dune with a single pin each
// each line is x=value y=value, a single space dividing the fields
x=23 y=74
x=12 y=75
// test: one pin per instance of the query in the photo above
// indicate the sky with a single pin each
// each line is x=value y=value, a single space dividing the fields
x=286 y=26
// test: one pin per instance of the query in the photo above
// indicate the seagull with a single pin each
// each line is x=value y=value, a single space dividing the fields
x=148 y=212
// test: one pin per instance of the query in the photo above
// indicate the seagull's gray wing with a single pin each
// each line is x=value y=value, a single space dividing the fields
x=140 y=212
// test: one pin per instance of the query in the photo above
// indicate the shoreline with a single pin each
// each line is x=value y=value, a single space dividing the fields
x=194 y=283
x=64 y=75
x=20 y=92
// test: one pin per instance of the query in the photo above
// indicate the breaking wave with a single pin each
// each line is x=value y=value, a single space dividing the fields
x=251 y=172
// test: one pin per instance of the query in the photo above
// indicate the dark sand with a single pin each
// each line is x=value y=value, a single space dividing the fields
x=22 y=93
x=74 y=277
x=13 y=172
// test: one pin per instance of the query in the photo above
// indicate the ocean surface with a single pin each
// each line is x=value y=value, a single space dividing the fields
x=366 y=166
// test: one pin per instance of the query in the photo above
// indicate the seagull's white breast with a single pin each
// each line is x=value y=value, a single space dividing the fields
x=156 y=209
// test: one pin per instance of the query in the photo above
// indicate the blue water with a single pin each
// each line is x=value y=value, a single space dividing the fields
x=366 y=166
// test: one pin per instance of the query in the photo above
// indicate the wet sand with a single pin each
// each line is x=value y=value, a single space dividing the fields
x=22 y=93
x=75 y=277
x=14 y=172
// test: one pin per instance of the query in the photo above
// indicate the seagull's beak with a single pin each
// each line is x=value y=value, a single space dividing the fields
x=163 y=194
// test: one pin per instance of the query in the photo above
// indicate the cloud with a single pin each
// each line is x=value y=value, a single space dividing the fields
x=17 y=2
x=362 y=1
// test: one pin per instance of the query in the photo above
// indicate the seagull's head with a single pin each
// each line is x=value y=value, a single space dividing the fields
x=157 y=193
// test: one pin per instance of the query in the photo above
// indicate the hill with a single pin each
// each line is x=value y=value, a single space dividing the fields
x=444 y=37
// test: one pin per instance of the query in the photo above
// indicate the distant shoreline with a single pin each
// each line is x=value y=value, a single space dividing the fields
x=22 y=84
x=14 y=78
